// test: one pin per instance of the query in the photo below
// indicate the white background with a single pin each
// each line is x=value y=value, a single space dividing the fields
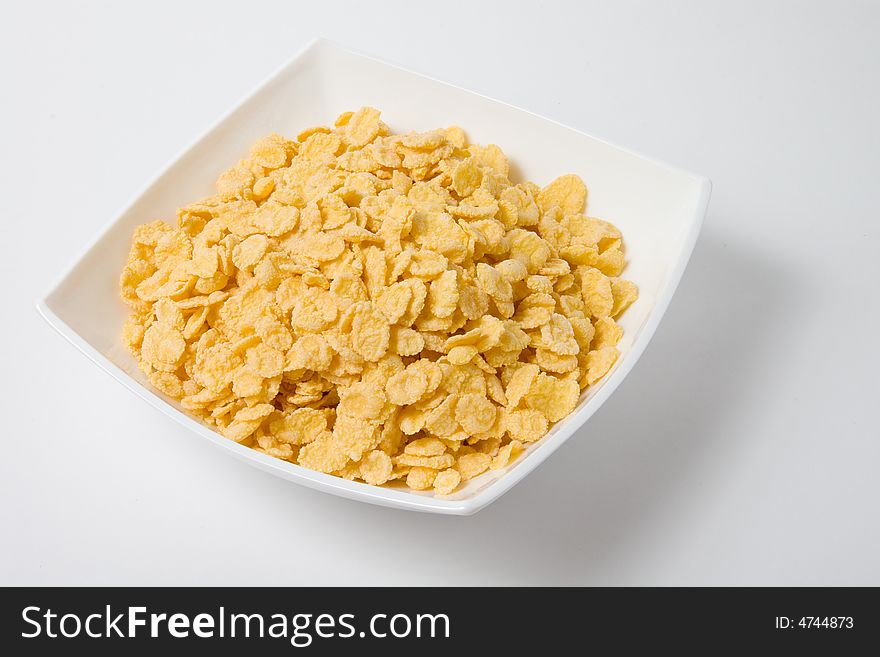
x=743 y=448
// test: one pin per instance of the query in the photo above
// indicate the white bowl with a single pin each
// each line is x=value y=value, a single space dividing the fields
x=658 y=208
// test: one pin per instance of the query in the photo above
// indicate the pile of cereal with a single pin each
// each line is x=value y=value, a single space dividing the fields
x=380 y=307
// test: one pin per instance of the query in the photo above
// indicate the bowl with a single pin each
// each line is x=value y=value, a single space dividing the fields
x=658 y=208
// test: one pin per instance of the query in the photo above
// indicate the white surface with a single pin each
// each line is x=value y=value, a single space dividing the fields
x=658 y=208
x=742 y=450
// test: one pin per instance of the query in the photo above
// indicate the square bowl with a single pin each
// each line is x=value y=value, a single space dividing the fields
x=658 y=208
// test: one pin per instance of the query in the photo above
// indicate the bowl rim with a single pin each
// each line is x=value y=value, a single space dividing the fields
x=395 y=498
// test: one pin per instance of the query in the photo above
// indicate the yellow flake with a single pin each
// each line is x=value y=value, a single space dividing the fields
x=443 y=294
x=520 y=383
x=205 y=261
x=466 y=177
x=246 y=383
x=462 y=354
x=168 y=383
x=361 y=400
x=313 y=311
x=239 y=430
x=406 y=341
x=441 y=420
x=133 y=334
x=320 y=145
x=555 y=267
x=566 y=192
x=495 y=390
x=376 y=467
x=370 y=332
x=354 y=436
x=428 y=264
x=446 y=482
x=529 y=248
x=421 y=478
x=334 y=212
x=553 y=397
x=493 y=283
x=169 y=313
x=412 y=420
x=507 y=454
x=162 y=345
x=524 y=210
x=309 y=352
x=590 y=231
x=607 y=333
x=264 y=360
x=599 y=362
x=534 y=311
x=323 y=455
x=323 y=246
x=475 y=413
x=472 y=465
x=348 y=288
x=554 y=362
x=362 y=127
x=596 y=290
x=611 y=262
x=406 y=387
x=624 y=293
x=488 y=445
x=246 y=421
x=395 y=301
x=299 y=427
x=425 y=447
x=583 y=332
x=273 y=151
x=235 y=181
x=357 y=161
x=472 y=301
x=512 y=270
x=424 y=140
x=433 y=462
x=558 y=336
x=491 y=156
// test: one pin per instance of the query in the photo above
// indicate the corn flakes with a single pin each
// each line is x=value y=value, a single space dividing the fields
x=384 y=308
